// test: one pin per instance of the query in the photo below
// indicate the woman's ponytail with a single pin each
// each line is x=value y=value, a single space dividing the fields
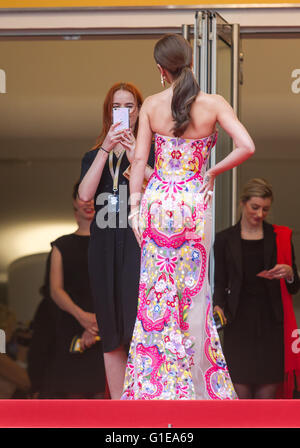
x=185 y=92
x=173 y=53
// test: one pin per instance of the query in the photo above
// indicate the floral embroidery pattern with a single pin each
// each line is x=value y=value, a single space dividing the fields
x=166 y=264
x=217 y=378
x=175 y=351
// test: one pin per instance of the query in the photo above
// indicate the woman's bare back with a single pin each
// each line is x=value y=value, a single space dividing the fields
x=203 y=114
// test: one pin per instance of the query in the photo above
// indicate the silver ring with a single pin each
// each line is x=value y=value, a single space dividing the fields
x=210 y=193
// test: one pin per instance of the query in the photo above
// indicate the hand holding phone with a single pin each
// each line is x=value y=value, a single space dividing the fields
x=121 y=115
x=279 y=271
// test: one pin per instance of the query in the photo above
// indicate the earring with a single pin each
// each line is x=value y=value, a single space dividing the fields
x=162 y=80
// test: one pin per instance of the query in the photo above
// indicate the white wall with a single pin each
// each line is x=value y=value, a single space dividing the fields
x=115 y=18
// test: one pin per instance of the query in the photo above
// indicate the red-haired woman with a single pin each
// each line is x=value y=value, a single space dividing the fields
x=114 y=255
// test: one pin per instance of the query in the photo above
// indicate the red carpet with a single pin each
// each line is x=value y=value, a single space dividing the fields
x=145 y=414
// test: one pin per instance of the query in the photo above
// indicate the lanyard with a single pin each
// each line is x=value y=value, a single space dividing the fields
x=115 y=175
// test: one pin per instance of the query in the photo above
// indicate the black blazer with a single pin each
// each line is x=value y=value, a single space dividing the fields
x=229 y=271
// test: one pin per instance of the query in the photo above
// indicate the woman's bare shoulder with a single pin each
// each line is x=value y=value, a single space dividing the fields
x=210 y=99
x=155 y=99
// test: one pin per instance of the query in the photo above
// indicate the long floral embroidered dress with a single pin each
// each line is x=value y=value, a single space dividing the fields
x=175 y=351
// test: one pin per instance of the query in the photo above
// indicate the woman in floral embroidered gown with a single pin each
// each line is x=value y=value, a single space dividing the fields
x=175 y=351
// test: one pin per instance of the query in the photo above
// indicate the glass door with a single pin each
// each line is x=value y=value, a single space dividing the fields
x=222 y=83
x=216 y=67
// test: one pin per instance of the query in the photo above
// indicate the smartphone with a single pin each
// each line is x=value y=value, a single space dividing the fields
x=263 y=274
x=121 y=114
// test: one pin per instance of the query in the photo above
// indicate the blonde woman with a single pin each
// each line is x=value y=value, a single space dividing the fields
x=255 y=274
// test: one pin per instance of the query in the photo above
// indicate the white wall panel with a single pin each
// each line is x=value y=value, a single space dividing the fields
x=272 y=16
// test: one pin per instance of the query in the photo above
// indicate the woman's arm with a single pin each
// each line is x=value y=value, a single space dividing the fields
x=148 y=172
x=62 y=298
x=89 y=184
x=294 y=287
x=138 y=167
x=289 y=273
x=244 y=146
x=142 y=149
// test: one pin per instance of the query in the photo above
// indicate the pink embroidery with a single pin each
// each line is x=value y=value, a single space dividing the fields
x=147 y=322
x=165 y=349
x=166 y=264
x=176 y=155
x=162 y=240
x=172 y=185
x=188 y=293
x=157 y=361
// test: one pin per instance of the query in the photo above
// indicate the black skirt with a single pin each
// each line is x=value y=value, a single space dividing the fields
x=253 y=343
x=114 y=265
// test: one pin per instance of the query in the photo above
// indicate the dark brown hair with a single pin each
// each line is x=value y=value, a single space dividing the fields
x=174 y=53
x=75 y=190
x=256 y=187
x=107 y=108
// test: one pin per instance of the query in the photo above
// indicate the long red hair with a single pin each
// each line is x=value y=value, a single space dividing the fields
x=107 y=108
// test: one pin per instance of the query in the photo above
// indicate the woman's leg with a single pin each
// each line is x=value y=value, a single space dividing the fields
x=115 y=366
x=265 y=391
x=244 y=391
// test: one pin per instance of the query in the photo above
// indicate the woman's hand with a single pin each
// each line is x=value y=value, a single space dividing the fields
x=88 y=321
x=208 y=187
x=219 y=310
x=87 y=340
x=136 y=229
x=128 y=143
x=280 y=271
x=113 y=137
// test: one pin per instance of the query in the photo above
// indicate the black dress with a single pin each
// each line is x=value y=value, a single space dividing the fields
x=253 y=342
x=41 y=352
x=76 y=373
x=114 y=259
